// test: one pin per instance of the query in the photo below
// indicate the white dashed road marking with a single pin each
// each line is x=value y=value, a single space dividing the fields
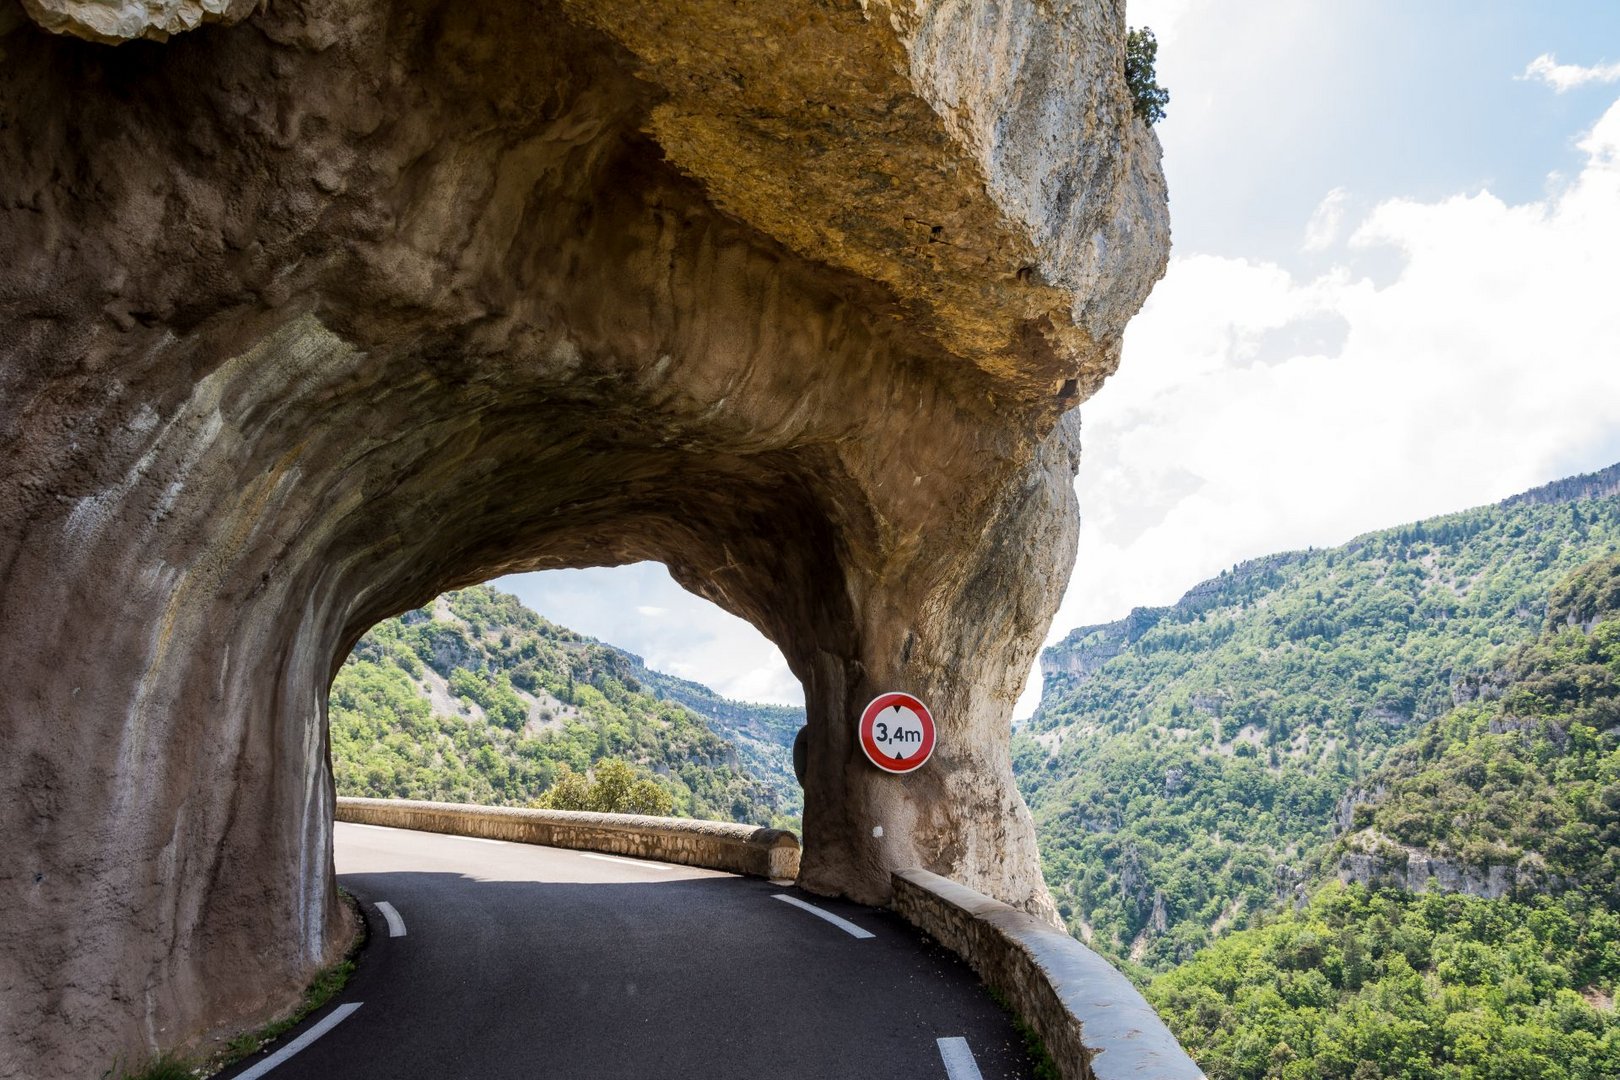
x=843 y=924
x=959 y=1063
x=396 y=925
x=628 y=862
x=332 y=1020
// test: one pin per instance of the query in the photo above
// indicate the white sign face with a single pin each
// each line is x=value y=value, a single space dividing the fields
x=896 y=732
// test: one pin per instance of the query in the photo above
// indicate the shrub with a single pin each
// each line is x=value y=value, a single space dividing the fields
x=1148 y=98
x=613 y=787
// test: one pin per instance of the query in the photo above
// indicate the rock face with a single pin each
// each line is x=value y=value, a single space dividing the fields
x=308 y=318
x=113 y=22
x=1082 y=654
x=1418 y=871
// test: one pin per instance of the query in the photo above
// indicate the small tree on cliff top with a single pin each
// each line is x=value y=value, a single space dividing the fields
x=1148 y=98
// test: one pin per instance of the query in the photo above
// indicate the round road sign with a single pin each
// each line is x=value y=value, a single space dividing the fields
x=897 y=732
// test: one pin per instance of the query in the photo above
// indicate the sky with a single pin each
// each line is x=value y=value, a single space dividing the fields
x=1394 y=292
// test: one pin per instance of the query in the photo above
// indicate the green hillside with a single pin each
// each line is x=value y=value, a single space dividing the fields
x=1517 y=792
x=1362 y=985
x=1188 y=765
x=762 y=734
x=477 y=699
x=1505 y=812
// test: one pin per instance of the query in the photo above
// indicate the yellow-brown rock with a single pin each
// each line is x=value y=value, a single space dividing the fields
x=307 y=318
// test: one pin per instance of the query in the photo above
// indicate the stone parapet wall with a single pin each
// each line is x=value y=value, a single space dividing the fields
x=1093 y=1021
x=715 y=845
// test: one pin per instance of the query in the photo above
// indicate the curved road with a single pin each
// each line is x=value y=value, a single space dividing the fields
x=491 y=960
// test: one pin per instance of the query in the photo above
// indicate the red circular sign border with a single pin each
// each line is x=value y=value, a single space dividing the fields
x=863 y=730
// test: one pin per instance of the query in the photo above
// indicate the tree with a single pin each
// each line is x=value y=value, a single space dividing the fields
x=1148 y=98
x=613 y=787
x=571 y=791
x=648 y=797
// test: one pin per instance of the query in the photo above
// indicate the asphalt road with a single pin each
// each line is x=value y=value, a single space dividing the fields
x=528 y=962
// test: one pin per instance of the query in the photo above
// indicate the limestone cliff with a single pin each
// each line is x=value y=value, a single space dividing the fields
x=1377 y=862
x=326 y=306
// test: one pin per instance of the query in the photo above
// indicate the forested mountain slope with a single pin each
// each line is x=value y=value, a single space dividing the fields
x=1473 y=929
x=1188 y=764
x=762 y=734
x=478 y=699
x=1517 y=792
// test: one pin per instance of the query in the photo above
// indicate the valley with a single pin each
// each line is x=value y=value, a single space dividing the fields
x=1189 y=766
x=477 y=699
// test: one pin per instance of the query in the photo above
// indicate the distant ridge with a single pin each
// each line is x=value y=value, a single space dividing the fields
x=1592 y=485
x=1070 y=657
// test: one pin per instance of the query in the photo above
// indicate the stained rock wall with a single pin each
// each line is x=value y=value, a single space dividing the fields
x=316 y=311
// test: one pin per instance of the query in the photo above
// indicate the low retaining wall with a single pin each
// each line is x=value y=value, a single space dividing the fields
x=1095 y=1024
x=716 y=845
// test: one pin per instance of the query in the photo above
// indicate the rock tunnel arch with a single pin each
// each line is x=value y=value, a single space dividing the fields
x=312 y=317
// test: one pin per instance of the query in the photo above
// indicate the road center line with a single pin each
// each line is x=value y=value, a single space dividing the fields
x=331 y=1020
x=843 y=924
x=628 y=862
x=396 y=925
x=959 y=1063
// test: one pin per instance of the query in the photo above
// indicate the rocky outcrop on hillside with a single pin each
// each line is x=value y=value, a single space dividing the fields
x=1593 y=485
x=1377 y=862
x=1512 y=793
x=1087 y=648
x=308 y=317
x=1086 y=655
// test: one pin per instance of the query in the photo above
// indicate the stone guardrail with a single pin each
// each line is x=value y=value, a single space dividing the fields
x=1093 y=1021
x=715 y=845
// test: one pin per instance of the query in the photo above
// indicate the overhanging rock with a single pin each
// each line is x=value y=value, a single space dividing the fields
x=307 y=318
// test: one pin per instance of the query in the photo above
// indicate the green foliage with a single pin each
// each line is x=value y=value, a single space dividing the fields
x=1385 y=984
x=1528 y=777
x=326 y=986
x=536 y=704
x=1148 y=98
x=1524 y=775
x=1587 y=595
x=164 y=1068
x=1193 y=762
x=328 y=981
x=493 y=693
x=1034 y=1045
x=762 y=734
x=613 y=787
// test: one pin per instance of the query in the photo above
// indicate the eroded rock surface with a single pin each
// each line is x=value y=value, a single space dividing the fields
x=309 y=318
x=116 y=21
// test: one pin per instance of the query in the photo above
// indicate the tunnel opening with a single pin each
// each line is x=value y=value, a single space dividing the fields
x=608 y=689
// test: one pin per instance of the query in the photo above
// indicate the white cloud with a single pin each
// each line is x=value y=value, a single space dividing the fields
x=642 y=609
x=1491 y=363
x=1323 y=228
x=1565 y=77
x=1163 y=17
